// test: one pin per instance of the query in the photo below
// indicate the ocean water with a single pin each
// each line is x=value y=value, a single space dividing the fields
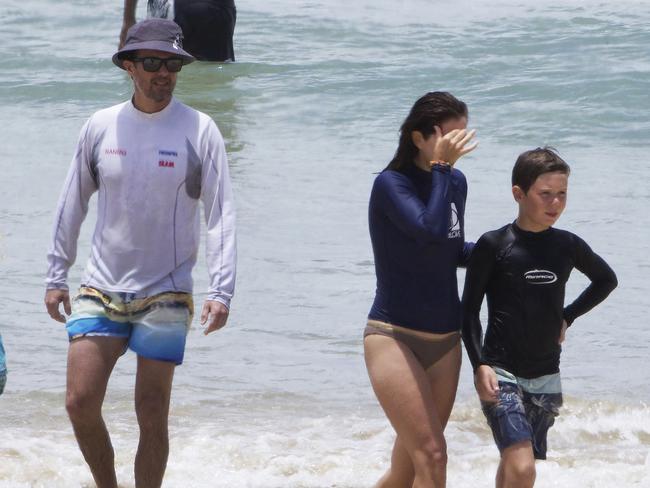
x=310 y=112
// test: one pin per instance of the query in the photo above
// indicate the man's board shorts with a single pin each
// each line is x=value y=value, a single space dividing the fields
x=3 y=368
x=525 y=410
x=428 y=348
x=155 y=326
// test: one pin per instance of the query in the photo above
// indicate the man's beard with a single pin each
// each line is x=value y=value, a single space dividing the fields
x=160 y=93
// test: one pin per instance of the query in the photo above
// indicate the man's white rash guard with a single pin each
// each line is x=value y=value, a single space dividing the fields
x=150 y=171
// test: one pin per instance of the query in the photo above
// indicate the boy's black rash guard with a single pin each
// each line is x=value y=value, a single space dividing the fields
x=416 y=226
x=524 y=276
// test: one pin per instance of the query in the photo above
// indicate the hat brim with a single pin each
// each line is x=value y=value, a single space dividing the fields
x=118 y=57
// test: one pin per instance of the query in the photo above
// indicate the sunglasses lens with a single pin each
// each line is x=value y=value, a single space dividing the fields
x=174 y=65
x=151 y=64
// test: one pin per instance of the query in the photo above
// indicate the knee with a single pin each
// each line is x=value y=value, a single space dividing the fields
x=82 y=408
x=521 y=473
x=431 y=456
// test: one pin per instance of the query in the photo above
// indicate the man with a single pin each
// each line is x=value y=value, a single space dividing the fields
x=208 y=25
x=151 y=160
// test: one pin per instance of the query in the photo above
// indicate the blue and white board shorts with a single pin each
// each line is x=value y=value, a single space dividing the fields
x=525 y=410
x=156 y=326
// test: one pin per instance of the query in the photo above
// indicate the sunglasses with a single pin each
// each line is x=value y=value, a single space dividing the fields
x=153 y=64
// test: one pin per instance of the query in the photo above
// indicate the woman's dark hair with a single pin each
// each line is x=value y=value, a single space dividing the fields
x=532 y=164
x=430 y=110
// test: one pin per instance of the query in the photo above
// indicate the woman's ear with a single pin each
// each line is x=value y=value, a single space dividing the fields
x=417 y=138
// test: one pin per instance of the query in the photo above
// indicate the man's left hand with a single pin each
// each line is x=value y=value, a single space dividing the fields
x=215 y=314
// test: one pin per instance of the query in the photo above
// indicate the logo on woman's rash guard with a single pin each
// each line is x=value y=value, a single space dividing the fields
x=540 y=277
x=454 y=223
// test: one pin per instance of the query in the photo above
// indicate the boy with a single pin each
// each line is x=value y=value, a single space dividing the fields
x=523 y=268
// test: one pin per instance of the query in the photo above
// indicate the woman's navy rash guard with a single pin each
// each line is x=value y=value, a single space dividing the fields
x=416 y=222
x=524 y=276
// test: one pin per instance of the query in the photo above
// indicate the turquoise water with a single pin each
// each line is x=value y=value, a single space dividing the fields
x=280 y=398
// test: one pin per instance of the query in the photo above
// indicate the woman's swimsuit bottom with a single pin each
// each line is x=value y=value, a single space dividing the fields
x=428 y=348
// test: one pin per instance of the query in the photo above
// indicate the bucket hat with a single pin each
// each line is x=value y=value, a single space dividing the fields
x=158 y=34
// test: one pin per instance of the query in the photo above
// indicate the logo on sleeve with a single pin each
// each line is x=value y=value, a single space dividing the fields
x=540 y=277
x=454 y=223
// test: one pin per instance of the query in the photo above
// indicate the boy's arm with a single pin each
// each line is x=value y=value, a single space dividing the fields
x=603 y=281
x=477 y=277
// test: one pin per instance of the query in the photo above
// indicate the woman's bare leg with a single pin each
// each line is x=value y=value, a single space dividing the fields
x=404 y=391
x=443 y=380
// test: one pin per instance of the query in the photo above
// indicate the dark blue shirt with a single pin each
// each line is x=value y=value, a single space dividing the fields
x=416 y=222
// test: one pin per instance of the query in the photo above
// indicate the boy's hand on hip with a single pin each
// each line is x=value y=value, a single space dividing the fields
x=52 y=300
x=215 y=314
x=486 y=384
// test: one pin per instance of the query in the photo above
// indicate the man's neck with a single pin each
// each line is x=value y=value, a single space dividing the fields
x=149 y=106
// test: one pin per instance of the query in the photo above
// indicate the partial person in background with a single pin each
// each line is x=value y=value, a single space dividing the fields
x=3 y=368
x=208 y=25
x=153 y=161
x=412 y=338
x=523 y=268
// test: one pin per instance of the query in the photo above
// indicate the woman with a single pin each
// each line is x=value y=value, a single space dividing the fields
x=411 y=342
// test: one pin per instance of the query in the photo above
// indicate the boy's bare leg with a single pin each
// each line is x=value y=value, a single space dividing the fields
x=90 y=363
x=517 y=467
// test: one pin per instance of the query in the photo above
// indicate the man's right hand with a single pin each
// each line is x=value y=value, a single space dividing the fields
x=52 y=300
x=486 y=384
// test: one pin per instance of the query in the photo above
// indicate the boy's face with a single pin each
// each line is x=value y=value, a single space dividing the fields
x=540 y=208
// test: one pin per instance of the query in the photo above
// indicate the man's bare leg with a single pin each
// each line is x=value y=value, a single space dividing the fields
x=152 y=393
x=90 y=363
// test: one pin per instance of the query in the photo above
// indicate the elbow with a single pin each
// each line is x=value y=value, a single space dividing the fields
x=433 y=234
x=613 y=281
x=609 y=283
